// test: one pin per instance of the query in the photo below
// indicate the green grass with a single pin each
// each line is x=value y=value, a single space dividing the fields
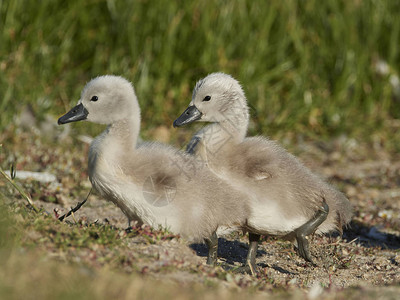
x=306 y=66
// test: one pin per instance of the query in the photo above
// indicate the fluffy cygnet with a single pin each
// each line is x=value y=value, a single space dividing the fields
x=287 y=199
x=150 y=182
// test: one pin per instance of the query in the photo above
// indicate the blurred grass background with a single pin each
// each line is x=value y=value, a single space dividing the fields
x=318 y=68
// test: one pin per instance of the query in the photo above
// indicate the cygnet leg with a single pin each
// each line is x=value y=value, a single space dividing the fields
x=250 y=266
x=212 y=244
x=307 y=229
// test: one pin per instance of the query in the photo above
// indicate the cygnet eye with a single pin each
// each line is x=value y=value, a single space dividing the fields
x=94 y=98
x=207 y=98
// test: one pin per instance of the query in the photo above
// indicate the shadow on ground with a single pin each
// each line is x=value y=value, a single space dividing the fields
x=234 y=251
x=230 y=251
x=371 y=236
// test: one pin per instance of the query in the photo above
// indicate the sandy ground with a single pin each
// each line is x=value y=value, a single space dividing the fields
x=367 y=255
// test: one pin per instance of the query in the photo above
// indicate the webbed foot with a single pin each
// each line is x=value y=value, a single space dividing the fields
x=212 y=244
x=250 y=265
x=308 y=228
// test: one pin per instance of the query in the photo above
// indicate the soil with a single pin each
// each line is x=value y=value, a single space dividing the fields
x=367 y=255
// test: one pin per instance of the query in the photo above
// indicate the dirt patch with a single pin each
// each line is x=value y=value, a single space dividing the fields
x=367 y=255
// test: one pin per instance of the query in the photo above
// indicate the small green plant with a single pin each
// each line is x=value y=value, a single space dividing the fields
x=20 y=190
x=150 y=234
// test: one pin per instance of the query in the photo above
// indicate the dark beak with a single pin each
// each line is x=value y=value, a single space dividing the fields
x=190 y=115
x=77 y=113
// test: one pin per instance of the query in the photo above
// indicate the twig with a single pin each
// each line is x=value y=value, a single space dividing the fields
x=19 y=189
x=352 y=241
x=78 y=206
x=340 y=242
x=73 y=217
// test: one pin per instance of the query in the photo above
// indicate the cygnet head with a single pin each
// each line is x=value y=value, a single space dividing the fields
x=104 y=100
x=216 y=98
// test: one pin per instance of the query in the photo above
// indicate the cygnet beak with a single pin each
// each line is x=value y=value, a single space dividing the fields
x=77 y=113
x=190 y=115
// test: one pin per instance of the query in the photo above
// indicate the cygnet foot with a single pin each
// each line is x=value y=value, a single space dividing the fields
x=212 y=244
x=190 y=148
x=308 y=228
x=250 y=265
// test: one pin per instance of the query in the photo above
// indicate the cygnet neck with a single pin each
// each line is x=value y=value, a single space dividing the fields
x=123 y=134
x=224 y=134
x=235 y=120
x=236 y=128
